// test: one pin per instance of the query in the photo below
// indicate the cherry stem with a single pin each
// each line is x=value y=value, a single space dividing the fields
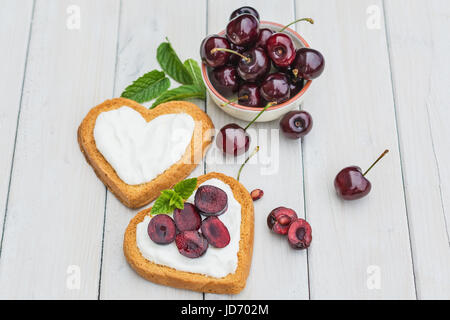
x=293 y=22
x=214 y=50
x=378 y=159
x=257 y=116
x=234 y=100
x=246 y=160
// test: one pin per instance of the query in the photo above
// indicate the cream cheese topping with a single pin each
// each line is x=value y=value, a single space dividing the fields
x=138 y=150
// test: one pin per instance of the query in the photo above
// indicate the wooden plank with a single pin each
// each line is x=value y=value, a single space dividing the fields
x=275 y=264
x=144 y=25
x=355 y=243
x=54 y=222
x=419 y=51
x=15 y=20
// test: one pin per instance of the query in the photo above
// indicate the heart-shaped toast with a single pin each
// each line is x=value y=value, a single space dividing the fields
x=137 y=158
x=218 y=270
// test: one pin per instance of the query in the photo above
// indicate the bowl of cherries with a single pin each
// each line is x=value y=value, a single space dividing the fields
x=254 y=63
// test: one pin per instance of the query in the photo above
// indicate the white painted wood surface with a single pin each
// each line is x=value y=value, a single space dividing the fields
x=420 y=51
x=385 y=86
x=55 y=210
x=16 y=14
x=353 y=109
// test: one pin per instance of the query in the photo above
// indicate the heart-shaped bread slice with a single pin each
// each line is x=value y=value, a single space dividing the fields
x=130 y=153
x=137 y=244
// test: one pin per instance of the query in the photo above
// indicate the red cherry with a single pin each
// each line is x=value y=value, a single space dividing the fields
x=351 y=184
x=225 y=79
x=281 y=49
x=279 y=219
x=243 y=30
x=191 y=244
x=217 y=58
x=275 y=88
x=215 y=232
x=264 y=35
x=296 y=124
x=308 y=64
x=243 y=10
x=161 y=229
x=299 y=234
x=233 y=139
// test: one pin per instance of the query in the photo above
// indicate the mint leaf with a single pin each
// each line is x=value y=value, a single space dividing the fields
x=186 y=187
x=176 y=201
x=180 y=93
x=194 y=70
x=147 y=87
x=171 y=64
x=162 y=204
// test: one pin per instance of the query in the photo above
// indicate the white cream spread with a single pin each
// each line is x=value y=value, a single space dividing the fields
x=215 y=262
x=138 y=150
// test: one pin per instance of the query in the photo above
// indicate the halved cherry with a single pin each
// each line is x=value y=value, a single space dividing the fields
x=161 y=229
x=210 y=200
x=299 y=234
x=191 y=244
x=215 y=232
x=188 y=218
x=280 y=219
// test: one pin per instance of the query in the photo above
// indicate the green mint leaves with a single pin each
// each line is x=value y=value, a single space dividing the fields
x=169 y=200
x=148 y=87
x=155 y=84
x=180 y=93
x=171 y=64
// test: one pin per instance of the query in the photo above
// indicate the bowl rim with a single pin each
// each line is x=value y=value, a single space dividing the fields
x=241 y=107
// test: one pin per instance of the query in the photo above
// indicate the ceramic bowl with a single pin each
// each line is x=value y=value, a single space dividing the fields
x=248 y=113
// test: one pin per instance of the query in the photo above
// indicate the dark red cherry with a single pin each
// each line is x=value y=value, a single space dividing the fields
x=225 y=79
x=234 y=58
x=187 y=218
x=279 y=219
x=255 y=67
x=308 y=64
x=191 y=244
x=299 y=234
x=351 y=184
x=249 y=95
x=211 y=201
x=215 y=232
x=218 y=58
x=243 y=10
x=296 y=124
x=275 y=88
x=295 y=86
x=264 y=34
x=161 y=229
x=243 y=30
x=233 y=139
x=281 y=49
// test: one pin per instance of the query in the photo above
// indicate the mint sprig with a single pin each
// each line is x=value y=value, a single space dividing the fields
x=155 y=84
x=171 y=199
x=147 y=87
x=180 y=93
x=171 y=64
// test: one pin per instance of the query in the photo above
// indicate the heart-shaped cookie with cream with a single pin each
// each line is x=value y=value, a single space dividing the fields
x=137 y=152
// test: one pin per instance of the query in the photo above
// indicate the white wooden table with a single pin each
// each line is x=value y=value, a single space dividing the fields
x=386 y=85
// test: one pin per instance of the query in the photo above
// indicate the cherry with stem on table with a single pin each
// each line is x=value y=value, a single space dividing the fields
x=351 y=184
x=233 y=139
